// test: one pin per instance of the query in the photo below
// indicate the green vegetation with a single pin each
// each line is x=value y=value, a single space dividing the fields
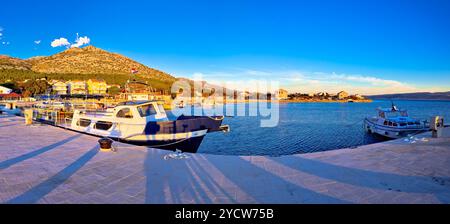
x=34 y=87
x=113 y=90
x=12 y=76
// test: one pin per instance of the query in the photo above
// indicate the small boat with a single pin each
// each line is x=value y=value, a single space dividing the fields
x=10 y=108
x=146 y=123
x=394 y=123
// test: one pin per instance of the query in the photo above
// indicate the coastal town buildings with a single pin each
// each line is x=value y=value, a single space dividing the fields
x=76 y=87
x=358 y=97
x=10 y=96
x=281 y=94
x=342 y=95
x=4 y=90
x=96 y=87
x=59 y=88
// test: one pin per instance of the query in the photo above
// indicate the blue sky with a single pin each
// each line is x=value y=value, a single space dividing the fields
x=362 y=46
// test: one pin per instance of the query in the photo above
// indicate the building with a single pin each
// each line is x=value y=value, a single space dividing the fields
x=359 y=97
x=76 y=87
x=10 y=96
x=53 y=81
x=4 y=90
x=96 y=87
x=281 y=94
x=59 y=88
x=342 y=95
x=245 y=95
x=112 y=85
x=137 y=96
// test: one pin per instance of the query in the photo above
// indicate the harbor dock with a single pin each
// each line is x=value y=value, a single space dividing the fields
x=46 y=164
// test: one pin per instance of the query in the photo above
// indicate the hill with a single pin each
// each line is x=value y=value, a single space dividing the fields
x=7 y=62
x=82 y=63
x=414 y=96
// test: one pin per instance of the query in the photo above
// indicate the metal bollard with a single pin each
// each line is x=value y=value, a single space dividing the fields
x=437 y=126
x=105 y=144
x=28 y=113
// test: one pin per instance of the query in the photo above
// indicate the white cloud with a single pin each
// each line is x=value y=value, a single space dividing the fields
x=60 y=42
x=37 y=42
x=63 y=42
x=333 y=83
x=367 y=79
x=313 y=82
x=80 y=41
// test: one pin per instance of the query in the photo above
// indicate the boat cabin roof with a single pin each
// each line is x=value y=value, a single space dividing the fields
x=137 y=103
x=391 y=109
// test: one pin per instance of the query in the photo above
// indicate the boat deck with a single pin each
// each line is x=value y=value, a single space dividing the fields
x=46 y=164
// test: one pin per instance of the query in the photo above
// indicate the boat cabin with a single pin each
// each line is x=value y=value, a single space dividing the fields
x=396 y=117
x=152 y=110
x=128 y=115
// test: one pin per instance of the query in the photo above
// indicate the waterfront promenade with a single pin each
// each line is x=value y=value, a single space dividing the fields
x=45 y=164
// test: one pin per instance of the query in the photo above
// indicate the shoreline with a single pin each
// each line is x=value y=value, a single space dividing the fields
x=297 y=101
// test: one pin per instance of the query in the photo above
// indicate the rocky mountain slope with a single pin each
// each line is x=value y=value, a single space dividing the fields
x=88 y=60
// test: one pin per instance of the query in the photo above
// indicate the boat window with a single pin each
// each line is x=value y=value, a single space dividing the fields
x=146 y=110
x=395 y=124
x=417 y=123
x=103 y=125
x=393 y=114
x=125 y=113
x=161 y=109
x=385 y=123
x=390 y=123
x=83 y=122
x=410 y=123
x=402 y=124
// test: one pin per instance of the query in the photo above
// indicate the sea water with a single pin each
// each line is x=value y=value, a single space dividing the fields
x=309 y=127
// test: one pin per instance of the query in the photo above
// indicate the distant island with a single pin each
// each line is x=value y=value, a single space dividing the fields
x=444 y=96
x=341 y=97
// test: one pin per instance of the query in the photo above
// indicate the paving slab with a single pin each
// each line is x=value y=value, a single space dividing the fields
x=46 y=164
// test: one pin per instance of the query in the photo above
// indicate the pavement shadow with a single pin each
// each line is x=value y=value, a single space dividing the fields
x=39 y=191
x=172 y=181
x=267 y=187
x=367 y=178
x=200 y=179
x=7 y=163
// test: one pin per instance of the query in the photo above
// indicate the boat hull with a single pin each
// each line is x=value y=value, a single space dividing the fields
x=184 y=134
x=390 y=132
x=141 y=127
x=185 y=145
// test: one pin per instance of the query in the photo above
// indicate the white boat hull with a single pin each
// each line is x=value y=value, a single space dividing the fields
x=390 y=132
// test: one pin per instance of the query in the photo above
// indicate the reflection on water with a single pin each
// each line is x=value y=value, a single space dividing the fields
x=309 y=127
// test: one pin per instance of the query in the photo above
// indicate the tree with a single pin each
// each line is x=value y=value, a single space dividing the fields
x=34 y=87
x=113 y=90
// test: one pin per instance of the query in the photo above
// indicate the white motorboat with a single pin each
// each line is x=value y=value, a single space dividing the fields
x=146 y=123
x=394 y=123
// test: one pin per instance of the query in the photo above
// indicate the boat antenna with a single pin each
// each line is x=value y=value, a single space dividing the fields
x=394 y=108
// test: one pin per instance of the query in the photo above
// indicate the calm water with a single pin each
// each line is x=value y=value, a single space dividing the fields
x=309 y=127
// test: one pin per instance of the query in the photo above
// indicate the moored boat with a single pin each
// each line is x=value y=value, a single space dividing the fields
x=394 y=123
x=146 y=123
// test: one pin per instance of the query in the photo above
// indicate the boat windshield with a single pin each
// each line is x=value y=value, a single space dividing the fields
x=146 y=110
x=161 y=109
x=393 y=114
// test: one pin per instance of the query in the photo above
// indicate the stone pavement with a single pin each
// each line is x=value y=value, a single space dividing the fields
x=45 y=164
